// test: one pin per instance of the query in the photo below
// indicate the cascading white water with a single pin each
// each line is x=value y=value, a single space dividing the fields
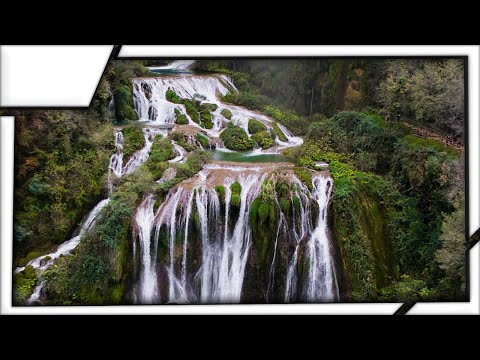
x=116 y=160
x=180 y=151
x=175 y=65
x=321 y=282
x=42 y=263
x=151 y=105
x=321 y=279
x=141 y=156
x=143 y=219
x=224 y=253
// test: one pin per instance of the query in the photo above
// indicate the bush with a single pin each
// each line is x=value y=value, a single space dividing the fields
x=227 y=114
x=263 y=139
x=235 y=138
x=133 y=140
x=236 y=188
x=279 y=132
x=24 y=283
x=255 y=126
x=202 y=140
x=172 y=96
x=181 y=119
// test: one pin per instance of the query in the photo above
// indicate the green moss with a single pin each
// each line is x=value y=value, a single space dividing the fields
x=192 y=110
x=24 y=283
x=263 y=139
x=296 y=203
x=32 y=255
x=285 y=205
x=253 y=211
x=220 y=189
x=134 y=140
x=227 y=114
x=236 y=188
x=22 y=262
x=255 y=126
x=209 y=107
x=263 y=211
x=172 y=96
x=202 y=140
x=279 y=132
x=235 y=200
x=235 y=138
x=206 y=119
x=181 y=119
x=305 y=177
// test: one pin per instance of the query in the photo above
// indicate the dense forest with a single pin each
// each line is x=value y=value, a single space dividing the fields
x=398 y=203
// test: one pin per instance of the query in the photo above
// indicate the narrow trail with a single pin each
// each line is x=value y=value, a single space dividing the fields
x=430 y=133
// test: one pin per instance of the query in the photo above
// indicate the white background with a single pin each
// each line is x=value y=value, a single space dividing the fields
x=68 y=75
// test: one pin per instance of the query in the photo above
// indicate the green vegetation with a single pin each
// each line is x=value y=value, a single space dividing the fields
x=220 y=189
x=397 y=209
x=172 y=96
x=235 y=199
x=133 y=140
x=227 y=114
x=61 y=161
x=263 y=139
x=161 y=152
x=255 y=126
x=391 y=195
x=181 y=119
x=235 y=138
x=279 y=132
x=23 y=284
x=119 y=77
x=202 y=140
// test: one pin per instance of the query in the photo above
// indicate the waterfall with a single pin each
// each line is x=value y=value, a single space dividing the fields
x=225 y=242
x=321 y=280
x=151 y=105
x=42 y=263
x=202 y=241
x=141 y=156
x=116 y=160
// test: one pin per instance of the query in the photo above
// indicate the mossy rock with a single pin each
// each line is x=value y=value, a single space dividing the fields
x=279 y=132
x=296 y=203
x=181 y=119
x=206 y=120
x=209 y=107
x=33 y=255
x=285 y=205
x=192 y=110
x=305 y=177
x=24 y=283
x=236 y=188
x=22 y=262
x=235 y=138
x=202 y=140
x=220 y=189
x=227 y=114
x=263 y=139
x=235 y=200
x=255 y=126
x=172 y=96
x=263 y=212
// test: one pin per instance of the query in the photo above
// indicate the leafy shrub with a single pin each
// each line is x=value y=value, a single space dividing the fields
x=235 y=138
x=133 y=140
x=172 y=96
x=227 y=114
x=263 y=139
x=255 y=126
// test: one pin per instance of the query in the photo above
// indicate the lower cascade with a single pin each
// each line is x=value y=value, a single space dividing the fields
x=205 y=243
